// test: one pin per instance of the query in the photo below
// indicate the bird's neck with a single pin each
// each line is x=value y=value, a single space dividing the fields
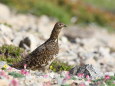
x=55 y=33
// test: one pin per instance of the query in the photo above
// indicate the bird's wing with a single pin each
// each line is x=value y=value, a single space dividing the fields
x=39 y=50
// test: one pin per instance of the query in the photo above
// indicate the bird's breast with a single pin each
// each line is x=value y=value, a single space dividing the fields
x=53 y=48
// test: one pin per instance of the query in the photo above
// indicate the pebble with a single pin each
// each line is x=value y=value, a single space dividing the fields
x=110 y=73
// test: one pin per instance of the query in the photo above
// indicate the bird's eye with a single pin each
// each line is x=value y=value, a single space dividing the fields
x=59 y=24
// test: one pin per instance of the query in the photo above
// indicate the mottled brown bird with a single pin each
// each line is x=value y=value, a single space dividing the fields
x=42 y=56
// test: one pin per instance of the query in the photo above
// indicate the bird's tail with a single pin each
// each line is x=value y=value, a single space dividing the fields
x=19 y=65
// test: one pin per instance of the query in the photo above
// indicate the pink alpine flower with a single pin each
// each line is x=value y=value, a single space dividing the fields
x=107 y=77
x=2 y=73
x=14 y=82
x=45 y=76
x=81 y=75
x=24 y=72
x=67 y=76
x=88 y=78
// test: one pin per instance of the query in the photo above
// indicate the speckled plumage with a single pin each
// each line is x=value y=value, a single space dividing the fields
x=42 y=56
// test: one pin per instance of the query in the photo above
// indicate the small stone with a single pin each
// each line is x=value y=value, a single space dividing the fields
x=25 y=43
x=109 y=73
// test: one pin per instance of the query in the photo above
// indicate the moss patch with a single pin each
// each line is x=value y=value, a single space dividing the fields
x=57 y=66
x=16 y=75
x=10 y=53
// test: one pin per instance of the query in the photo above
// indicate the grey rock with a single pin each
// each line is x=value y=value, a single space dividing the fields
x=6 y=34
x=18 y=37
x=4 y=12
x=26 y=40
x=34 y=41
x=5 y=40
x=25 y=43
x=6 y=31
x=87 y=70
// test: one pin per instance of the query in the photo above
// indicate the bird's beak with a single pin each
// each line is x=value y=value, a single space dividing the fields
x=65 y=26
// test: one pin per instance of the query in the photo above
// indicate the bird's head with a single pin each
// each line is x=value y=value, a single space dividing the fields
x=56 y=30
x=59 y=25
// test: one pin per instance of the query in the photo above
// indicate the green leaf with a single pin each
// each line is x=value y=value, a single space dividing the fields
x=16 y=75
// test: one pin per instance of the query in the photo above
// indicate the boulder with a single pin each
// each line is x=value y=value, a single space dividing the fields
x=4 y=12
x=86 y=70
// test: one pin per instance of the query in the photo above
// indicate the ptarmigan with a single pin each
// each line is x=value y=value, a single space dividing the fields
x=42 y=56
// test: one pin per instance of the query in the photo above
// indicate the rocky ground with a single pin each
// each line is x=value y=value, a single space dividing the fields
x=78 y=45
